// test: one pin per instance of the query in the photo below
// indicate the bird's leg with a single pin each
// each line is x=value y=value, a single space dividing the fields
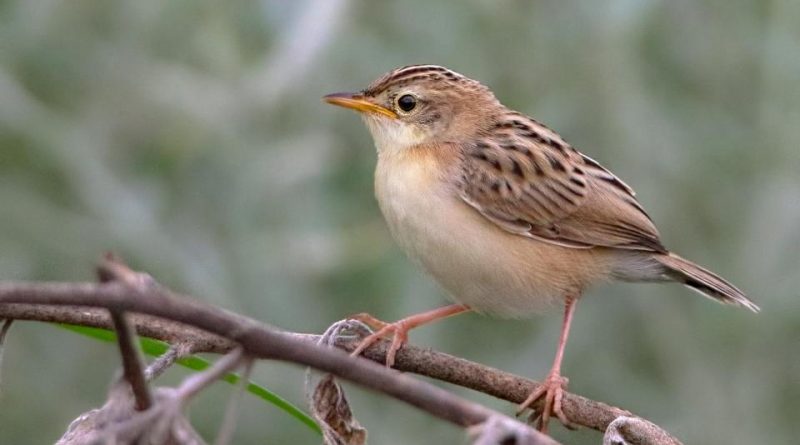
x=552 y=389
x=399 y=329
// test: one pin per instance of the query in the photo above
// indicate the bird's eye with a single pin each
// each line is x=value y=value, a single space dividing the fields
x=407 y=102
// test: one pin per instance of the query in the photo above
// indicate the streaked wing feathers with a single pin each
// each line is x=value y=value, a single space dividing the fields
x=527 y=180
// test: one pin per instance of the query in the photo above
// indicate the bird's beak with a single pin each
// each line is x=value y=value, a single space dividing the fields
x=358 y=102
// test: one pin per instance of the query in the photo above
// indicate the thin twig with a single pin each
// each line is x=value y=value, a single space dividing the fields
x=132 y=363
x=3 y=332
x=113 y=269
x=197 y=382
x=165 y=360
x=232 y=411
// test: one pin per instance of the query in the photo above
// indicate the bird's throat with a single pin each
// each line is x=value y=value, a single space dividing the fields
x=392 y=135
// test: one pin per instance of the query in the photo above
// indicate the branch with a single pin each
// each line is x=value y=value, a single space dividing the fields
x=492 y=381
x=131 y=360
x=193 y=339
x=410 y=358
x=109 y=270
x=186 y=339
x=256 y=339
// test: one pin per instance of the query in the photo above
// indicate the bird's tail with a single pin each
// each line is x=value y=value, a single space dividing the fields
x=704 y=281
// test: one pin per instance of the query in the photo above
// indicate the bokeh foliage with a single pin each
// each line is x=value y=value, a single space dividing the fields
x=189 y=137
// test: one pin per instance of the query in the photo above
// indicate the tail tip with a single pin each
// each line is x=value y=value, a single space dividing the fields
x=727 y=294
x=747 y=304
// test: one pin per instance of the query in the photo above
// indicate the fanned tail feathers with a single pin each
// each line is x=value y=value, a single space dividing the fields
x=704 y=281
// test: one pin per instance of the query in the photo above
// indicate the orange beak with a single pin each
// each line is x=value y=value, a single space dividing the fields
x=358 y=102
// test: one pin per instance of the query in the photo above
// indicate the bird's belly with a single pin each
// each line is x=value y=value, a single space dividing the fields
x=476 y=262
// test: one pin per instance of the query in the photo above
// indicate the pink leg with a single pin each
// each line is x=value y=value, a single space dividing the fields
x=552 y=389
x=400 y=328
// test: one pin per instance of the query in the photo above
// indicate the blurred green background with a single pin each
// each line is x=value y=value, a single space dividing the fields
x=189 y=137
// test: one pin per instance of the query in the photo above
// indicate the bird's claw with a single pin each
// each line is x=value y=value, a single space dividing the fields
x=552 y=392
x=399 y=331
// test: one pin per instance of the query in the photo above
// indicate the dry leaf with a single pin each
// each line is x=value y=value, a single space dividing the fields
x=332 y=412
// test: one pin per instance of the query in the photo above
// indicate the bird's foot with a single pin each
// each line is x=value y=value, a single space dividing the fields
x=552 y=392
x=398 y=330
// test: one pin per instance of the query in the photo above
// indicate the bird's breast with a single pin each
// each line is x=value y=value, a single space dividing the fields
x=475 y=262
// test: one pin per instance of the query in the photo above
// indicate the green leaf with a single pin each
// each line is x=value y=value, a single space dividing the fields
x=156 y=348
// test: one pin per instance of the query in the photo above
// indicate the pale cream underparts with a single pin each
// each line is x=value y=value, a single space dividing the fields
x=477 y=263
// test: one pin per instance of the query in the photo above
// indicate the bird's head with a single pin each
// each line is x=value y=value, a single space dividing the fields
x=421 y=104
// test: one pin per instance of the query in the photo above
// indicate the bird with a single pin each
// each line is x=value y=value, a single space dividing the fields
x=503 y=213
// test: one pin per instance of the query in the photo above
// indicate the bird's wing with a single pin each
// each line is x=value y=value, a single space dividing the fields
x=523 y=177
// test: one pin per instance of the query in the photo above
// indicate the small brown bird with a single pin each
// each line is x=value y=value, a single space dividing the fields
x=502 y=212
